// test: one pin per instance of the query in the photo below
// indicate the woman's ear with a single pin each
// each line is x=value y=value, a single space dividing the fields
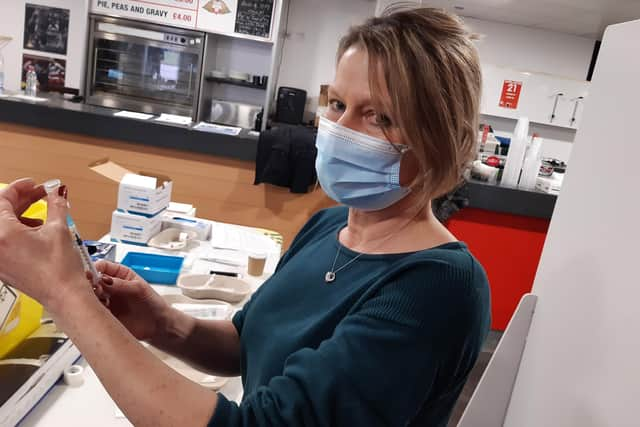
x=409 y=168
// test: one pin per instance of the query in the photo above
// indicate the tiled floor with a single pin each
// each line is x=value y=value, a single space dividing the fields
x=483 y=359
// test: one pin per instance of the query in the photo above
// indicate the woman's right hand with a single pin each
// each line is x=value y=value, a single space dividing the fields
x=131 y=300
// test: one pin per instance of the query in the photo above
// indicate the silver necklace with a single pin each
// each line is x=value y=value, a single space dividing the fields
x=330 y=275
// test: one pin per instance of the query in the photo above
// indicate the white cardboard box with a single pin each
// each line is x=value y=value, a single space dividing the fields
x=181 y=209
x=201 y=227
x=549 y=185
x=131 y=228
x=143 y=193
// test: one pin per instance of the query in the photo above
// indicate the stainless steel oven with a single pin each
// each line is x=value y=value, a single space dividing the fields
x=143 y=67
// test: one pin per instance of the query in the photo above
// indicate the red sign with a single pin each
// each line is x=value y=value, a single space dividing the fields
x=510 y=94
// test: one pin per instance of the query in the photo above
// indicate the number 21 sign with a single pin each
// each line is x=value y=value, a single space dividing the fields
x=510 y=94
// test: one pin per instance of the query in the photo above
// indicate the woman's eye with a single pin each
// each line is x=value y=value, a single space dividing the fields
x=383 y=120
x=337 y=106
x=379 y=120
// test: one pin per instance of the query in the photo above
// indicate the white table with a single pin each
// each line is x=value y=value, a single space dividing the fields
x=90 y=404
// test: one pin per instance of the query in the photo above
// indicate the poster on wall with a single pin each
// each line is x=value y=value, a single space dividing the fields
x=217 y=15
x=46 y=28
x=177 y=13
x=50 y=71
x=510 y=95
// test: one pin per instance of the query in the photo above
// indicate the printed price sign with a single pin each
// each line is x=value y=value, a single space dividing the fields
x=179 y=13
x=510 y=94
x=8 y=300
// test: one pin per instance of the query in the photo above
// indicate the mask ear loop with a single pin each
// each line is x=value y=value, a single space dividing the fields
x=400 y=148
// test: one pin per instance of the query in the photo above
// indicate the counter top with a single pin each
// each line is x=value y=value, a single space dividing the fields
x=510 y=200
x=59 y=114
x=65 y=116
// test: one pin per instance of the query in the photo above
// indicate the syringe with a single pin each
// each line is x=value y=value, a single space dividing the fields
x=50 y=187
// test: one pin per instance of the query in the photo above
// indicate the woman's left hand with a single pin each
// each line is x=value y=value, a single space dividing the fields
x=38 y=259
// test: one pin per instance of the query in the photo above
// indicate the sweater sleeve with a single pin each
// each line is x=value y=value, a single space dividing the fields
x=407 y=343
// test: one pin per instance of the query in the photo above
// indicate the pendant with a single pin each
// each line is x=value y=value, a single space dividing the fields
x=330 y=276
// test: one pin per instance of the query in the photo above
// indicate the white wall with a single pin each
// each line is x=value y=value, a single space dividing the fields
x=519 y=47
x=530 y=49
x=12 y=24
x=314 y=30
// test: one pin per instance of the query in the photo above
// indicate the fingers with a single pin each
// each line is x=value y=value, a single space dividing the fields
x=22 y=193
x=102 y=296
x=31 y=222
x=107 y=267
x=117 y=286
x=99 y=291
x=57 y=208
x=29 y=196
x=16 y=197
x=115 y=270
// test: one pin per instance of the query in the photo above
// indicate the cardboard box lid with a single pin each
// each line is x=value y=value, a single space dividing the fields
x=117 y=173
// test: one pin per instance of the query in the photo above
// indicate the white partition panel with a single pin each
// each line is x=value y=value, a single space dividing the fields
x=490 y=400
x=581 y=363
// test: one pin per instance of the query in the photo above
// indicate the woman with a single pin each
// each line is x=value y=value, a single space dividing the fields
x=376 y=313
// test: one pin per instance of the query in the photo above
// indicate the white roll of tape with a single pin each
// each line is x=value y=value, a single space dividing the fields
x=74 y=375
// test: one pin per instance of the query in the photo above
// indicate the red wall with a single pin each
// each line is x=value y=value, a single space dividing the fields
x=509 y=248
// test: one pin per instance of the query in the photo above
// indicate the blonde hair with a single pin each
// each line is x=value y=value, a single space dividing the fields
x=432 y=74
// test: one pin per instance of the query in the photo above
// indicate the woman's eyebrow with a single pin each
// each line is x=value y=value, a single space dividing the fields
x=363 y=102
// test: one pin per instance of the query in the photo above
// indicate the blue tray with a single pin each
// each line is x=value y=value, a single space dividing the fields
x=159 y=269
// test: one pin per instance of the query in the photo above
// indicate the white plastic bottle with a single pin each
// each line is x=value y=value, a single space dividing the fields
x=517 y=149
x=531 y=166
x=32 y=83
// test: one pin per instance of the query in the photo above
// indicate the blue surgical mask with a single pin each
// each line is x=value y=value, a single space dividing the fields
x=358 y=170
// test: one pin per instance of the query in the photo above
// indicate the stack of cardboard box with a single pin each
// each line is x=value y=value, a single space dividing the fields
x=142 y=200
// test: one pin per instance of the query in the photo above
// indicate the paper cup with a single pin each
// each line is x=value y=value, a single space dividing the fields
x=255 y=264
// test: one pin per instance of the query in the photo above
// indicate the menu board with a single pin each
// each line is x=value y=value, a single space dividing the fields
x=251 y=17
x=254 y=17
x=178 y=13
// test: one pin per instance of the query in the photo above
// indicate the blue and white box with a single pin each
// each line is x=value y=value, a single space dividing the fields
x=142 y=193
x=201 y=227
x=135 y=229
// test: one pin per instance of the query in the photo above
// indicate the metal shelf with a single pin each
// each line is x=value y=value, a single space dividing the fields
x=235 y=82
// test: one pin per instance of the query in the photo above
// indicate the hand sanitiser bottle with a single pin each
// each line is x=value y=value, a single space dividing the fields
x=50 y=187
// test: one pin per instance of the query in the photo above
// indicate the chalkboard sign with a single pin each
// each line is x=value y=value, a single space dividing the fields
x=254 y=17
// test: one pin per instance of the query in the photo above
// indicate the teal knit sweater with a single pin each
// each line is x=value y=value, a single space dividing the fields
x=389 y=343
